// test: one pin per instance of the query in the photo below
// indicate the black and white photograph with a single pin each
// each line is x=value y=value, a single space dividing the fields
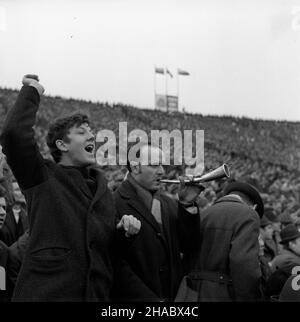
x=149 y=153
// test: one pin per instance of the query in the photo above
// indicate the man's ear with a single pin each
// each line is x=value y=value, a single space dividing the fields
x=61 y=145
x=2 y=220
x=135 y=167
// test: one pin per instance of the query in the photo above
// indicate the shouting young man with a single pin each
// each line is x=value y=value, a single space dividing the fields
x=71 y=211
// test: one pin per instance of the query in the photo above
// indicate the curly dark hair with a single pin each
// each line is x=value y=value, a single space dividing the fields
x=59 y=130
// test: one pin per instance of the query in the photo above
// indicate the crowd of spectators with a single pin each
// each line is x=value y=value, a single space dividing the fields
x=263 y=153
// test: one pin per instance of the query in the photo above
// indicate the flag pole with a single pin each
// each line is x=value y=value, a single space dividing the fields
x=155 y=87
x=166 y=74
x=178 y=89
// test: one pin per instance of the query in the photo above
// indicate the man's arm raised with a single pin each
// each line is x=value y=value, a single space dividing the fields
x=17 y=137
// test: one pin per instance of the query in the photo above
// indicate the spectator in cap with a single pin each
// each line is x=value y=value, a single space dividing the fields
x=283 y=263
x=290 y=256
x=270 y=214
x=266 y=231
x=295 y=216
x=285 y=219
x=226 y=267
x=264 y=266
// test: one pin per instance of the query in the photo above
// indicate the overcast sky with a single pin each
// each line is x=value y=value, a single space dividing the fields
x=243 y=56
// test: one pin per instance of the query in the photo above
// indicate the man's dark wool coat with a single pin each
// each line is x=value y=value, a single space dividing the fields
x=69 y=256
x=151 y=268
x=227 y=264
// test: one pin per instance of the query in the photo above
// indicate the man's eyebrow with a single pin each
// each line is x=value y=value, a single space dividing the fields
x=81 y=127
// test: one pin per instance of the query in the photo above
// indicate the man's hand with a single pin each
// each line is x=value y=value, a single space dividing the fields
x=33 y=80
x=130 y=224
x=188 y=193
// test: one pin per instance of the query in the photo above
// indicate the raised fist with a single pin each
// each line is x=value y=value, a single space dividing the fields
x=33 y=80
x=130 y=225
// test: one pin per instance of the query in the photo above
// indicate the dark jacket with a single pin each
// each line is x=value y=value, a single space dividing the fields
x=286 y=261
x=151 y=268
x=12 y=230
x=270 y=250
x=227 y=263
x=69 y=256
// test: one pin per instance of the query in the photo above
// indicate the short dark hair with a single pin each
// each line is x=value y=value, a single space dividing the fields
x=59 y=131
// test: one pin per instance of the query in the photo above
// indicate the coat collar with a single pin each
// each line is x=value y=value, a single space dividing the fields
x=289 y=253
x=94 y=172
x=230 y=198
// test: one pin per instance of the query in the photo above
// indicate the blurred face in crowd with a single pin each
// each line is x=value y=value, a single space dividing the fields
x=295 y=217
x=295 y=246
x=277 y=226
x=2 y=211
x=2 y=157
x=267 y=232
x=149 y=176
x=261 y=245
x=16 y=207
x=79 y=149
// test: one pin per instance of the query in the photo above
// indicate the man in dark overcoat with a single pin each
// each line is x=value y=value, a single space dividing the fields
x=71 y=212
x=15 y=225
x=151 y=268
x=290 y=255
x=226 y=267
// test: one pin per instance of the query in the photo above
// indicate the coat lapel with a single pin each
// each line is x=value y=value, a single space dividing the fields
x=228 y=199
x=144 y=212
x=165 y=221
x=101 y=184
x=75 y=173
x=10 y=222
x=127 y=191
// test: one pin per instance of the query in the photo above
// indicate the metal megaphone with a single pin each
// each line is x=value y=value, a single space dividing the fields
x=220 y=172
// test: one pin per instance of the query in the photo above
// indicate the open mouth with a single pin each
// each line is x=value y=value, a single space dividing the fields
x=89 y=148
